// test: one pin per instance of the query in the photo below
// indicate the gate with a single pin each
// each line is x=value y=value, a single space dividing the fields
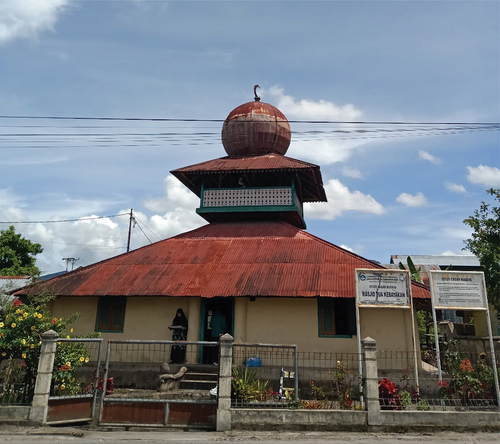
x=75 y=381
x=142 y=387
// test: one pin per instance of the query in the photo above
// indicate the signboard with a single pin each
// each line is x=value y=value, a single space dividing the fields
x=383 y=288
x=458 y=290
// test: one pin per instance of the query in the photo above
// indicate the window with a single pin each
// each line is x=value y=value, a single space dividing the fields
x=337 y=317
x=111 y=314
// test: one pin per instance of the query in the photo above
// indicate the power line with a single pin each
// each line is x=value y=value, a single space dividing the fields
x=140 y=228
x=62 y=220
x=138 y=220
x=166 y=119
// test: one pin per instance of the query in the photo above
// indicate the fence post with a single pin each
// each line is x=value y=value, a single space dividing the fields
x=224 y=386
x=372 y=404
x=40 y=404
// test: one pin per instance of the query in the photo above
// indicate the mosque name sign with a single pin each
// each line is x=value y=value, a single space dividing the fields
x=382 y=288
x=458 y=290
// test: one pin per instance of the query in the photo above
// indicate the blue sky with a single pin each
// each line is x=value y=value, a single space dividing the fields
x=403 y=192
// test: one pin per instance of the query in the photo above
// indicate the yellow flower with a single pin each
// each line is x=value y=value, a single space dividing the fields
x=82 y=359
x=71 y=331
x=99 y=334
x=35 y=315
x=67 y=337
x=21 y=319
x=18 y=311
x=24 y=341
x=63 y=387
x=86 y=359
x=13 y=325
x=32 y=346
x=59 y=343
x=33 y=328
x=25 y=315
x=1 y=324
x=24 y=355
x=68 y=364
x=4 y=354
x=40 y=316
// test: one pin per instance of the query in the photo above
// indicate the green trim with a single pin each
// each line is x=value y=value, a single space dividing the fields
x=247 y=188
x=98 y=314
x=335 y=336
x=320 y=335
x=247 y=209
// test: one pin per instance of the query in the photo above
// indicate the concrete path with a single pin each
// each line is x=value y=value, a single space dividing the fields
x=49 y=435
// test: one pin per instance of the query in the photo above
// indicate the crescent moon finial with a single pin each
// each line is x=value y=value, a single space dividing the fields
x=256 y=98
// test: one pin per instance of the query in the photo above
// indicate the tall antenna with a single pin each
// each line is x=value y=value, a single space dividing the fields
x=71 y=260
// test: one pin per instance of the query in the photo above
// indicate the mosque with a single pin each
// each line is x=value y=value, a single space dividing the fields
x=253 y=261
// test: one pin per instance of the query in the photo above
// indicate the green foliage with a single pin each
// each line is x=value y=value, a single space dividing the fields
x=405 y=399
x=17 y=254
x=415 y=274
x=468 y=381
x=339 y=387
x=423 y=405
x=485 y=244
x=246 y=386
x=21 y=327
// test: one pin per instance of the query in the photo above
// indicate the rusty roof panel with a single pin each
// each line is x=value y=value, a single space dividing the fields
x=307 y=174
x=247 y=163
x=225 y=259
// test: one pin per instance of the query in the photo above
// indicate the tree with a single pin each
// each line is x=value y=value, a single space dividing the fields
x=485 y=244
x=17 y=254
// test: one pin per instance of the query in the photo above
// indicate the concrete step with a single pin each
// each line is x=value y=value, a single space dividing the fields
x=201 y=376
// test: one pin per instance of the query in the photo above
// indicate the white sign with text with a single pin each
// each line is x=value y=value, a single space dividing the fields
x=383 y=288
x=458 y=290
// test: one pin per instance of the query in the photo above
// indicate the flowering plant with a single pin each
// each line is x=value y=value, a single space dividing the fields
x=388 y=395
x=21 y=327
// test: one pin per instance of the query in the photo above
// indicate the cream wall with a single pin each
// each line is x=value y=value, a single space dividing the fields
x=295 y=321
x=290 y=321
x=390 y=327
x=145 y=317
x=265 y=320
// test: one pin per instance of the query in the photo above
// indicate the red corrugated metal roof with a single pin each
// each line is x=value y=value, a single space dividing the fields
x=248 y=163
x=308 y=175
x=225 y=259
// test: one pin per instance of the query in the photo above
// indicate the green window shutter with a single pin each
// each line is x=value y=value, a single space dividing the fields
x=327 y=318
x=111 y=314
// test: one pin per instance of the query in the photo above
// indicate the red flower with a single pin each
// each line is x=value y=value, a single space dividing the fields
x=54 y=320
x=17 y=303
x=442 y=383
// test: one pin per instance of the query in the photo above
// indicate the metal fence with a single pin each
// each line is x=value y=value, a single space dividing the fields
x=145 y=369
x=16 y=385
x=76 y=367
x=467 y=381
x=279 y=376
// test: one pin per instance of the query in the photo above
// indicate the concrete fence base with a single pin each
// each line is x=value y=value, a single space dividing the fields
x=357 y=421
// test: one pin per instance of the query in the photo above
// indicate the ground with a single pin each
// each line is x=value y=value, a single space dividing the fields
x=49 y=435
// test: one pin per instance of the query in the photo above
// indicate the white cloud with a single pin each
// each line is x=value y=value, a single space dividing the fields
x=424 y=155
x=484 y=175
x=25 y=18
x=454 y=187
x=345 y=247
x=306 y=143
x=310 y=110
x=352 y=172
x=412 y=201
x=176 y=196
x=340 y=199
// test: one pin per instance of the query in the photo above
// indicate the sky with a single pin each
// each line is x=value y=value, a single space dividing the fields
x=169 y=73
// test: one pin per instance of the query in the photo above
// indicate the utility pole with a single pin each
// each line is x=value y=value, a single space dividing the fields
x=72 y=260
x=129 y=229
